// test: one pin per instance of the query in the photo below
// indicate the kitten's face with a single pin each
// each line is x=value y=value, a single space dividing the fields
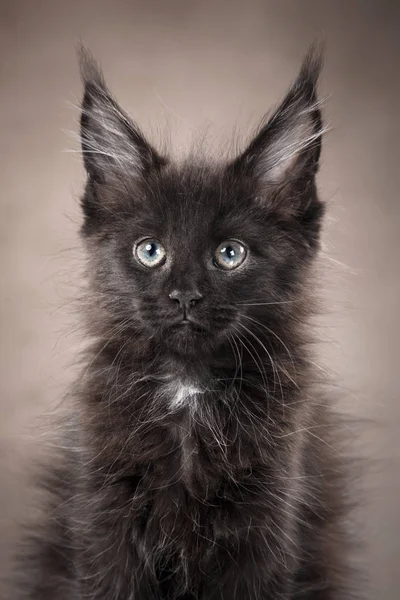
x=185 y=265
x=193 y=255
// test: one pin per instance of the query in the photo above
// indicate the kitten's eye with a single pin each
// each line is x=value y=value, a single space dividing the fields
x=150 y=253
x=230 y=255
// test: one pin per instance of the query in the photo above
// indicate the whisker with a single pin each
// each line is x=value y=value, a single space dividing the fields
x=276 y=374
x=259 y=365
x=267 y=303
x=280 y=340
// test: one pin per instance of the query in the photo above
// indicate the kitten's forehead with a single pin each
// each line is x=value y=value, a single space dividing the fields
x=191 y=185
x=200 y=196
x=197 y=206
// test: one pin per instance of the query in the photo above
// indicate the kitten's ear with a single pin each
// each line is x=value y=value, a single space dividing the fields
x=288 y=144
x=111 y=143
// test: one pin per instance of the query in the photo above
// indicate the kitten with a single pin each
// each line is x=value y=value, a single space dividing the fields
x=201 y=464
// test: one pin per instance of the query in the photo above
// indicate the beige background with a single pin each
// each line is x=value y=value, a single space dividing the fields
x=192 y=65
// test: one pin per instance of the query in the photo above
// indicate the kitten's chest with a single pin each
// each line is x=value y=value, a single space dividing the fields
x=193 y=442
x=184 y=396
x=184 y=401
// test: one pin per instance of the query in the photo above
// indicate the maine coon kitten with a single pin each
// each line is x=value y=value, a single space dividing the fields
x=201 y=464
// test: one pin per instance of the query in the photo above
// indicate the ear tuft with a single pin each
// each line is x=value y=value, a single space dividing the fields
x=90 y=71
x=307 y=79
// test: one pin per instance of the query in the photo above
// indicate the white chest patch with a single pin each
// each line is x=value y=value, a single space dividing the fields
x=185 y=395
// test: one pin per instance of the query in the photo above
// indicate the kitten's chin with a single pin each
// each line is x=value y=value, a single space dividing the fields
x=189 y=339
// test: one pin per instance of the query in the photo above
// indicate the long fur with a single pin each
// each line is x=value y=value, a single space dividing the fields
x=202 y=462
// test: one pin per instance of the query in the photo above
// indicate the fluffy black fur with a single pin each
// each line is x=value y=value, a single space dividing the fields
x=202 y=461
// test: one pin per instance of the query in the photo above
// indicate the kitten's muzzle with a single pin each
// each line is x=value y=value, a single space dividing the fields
x=186 y=300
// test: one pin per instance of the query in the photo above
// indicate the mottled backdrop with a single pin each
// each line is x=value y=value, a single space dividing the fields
x=195 y=66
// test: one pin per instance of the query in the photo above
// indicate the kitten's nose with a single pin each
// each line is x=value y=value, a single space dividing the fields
x=185 y=299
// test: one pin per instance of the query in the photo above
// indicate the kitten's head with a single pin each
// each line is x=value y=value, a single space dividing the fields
x=190 y=254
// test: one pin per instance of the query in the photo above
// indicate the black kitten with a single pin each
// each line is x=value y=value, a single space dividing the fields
x=201 y=464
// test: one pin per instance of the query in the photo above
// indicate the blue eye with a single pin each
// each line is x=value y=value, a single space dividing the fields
x=230 y=255
x=150 y=253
